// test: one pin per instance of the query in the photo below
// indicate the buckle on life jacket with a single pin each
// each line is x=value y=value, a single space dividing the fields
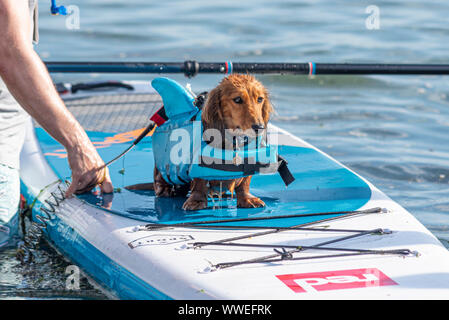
x=284 y=171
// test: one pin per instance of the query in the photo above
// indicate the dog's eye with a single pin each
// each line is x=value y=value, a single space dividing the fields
x=238 y=100
x=259 y=100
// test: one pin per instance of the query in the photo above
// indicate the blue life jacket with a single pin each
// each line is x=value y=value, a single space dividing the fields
x=181 y=154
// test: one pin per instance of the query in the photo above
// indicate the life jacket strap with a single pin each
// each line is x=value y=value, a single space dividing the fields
x=246 y=168
x=201 y=99
x=249 y=168
x=284 y=172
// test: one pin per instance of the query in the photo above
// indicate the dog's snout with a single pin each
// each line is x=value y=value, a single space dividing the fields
x=258 y=127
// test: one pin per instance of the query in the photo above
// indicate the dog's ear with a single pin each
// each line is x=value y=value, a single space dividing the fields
x=267 y=108
x=212 y=114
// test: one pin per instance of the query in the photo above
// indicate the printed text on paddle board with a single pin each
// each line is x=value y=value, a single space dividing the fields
x=335 y=280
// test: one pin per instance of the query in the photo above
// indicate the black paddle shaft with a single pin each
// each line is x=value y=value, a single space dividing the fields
x=191 y=68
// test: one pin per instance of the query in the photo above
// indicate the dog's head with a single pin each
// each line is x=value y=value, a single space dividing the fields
x=240 y=103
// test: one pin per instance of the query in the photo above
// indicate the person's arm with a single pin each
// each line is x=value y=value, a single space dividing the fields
x=28 y=80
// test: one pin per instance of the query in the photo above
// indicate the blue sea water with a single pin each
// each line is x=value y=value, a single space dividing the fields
x=392 y=130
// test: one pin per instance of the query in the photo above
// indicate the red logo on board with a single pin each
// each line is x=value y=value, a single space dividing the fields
x=335 y=280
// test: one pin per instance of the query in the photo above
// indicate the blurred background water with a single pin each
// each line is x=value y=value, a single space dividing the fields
x=393 y=130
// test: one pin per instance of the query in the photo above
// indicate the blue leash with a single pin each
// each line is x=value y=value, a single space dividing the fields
x=56 y=10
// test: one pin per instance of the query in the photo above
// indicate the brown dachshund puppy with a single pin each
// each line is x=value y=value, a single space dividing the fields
x=239 y=103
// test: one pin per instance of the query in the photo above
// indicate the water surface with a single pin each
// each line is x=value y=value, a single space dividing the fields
x=393 y=130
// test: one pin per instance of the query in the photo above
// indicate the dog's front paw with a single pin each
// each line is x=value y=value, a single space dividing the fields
x=250 y=202
x=195 y=203
x=191 y=205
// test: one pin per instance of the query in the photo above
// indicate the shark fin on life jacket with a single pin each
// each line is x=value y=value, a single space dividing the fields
x=176 y=99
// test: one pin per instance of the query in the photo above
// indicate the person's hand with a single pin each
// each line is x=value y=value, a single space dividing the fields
x=88 y=170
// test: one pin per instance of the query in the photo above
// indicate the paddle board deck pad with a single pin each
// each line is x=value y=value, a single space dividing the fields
x=329 y=235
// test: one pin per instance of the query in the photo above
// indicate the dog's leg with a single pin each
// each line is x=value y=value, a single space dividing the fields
x=244 y=198
x=198 y=196
x=161 y=187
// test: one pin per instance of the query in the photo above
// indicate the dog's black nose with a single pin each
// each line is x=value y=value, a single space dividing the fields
x=258 y=127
